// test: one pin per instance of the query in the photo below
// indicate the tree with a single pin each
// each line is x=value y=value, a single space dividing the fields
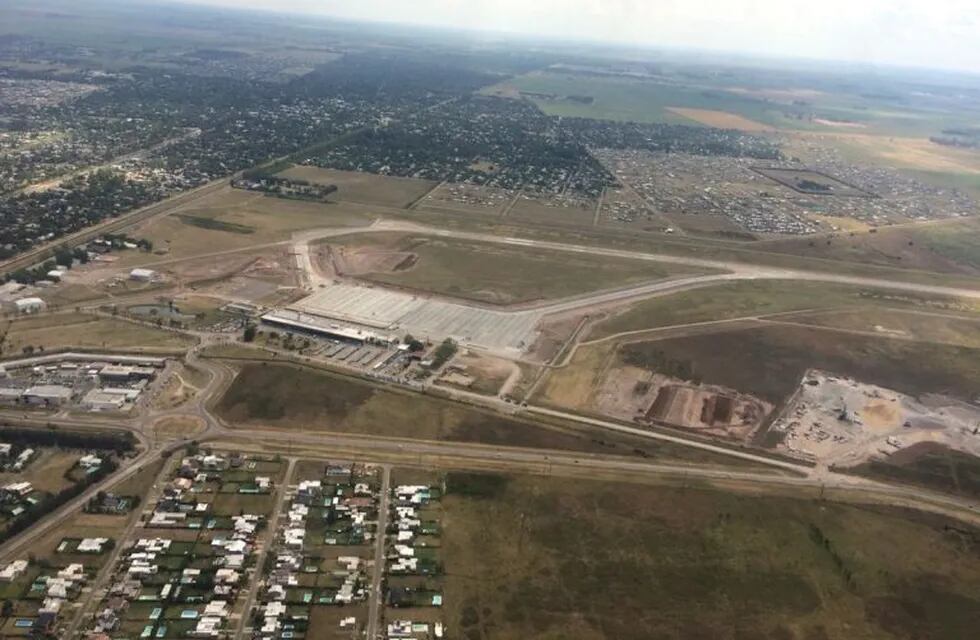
x=250 y=332
x=64 y=257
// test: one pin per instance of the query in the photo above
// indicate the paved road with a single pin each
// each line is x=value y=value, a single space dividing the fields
x=267 y=541
x=459 y=455
x=98 y=586
x=376 y=599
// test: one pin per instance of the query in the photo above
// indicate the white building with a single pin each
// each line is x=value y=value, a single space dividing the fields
x=13 y=570
x=98 y=400
x=30 y=305
x=143 y=275
x=52 y=394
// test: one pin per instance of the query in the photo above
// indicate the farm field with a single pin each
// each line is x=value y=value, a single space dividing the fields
x=761 y=297
x=365 y=188
x=707 y=102
x=594 y=560
x=488 y=273
x=628 y=99
x=294 y=398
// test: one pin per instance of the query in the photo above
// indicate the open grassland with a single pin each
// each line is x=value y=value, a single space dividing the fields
x=770 y=362
x=762 y=297
x=775 y=254
x=234 y=219
x=950 y=247
x=365 y=188
x=500 y=274
x=301 y=398
x=548 y=558
x=81 y=331
x=275 y=220
x=914 y=325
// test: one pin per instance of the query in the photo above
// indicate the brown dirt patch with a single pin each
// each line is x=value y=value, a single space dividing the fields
x=719 y=119
x=879 y=414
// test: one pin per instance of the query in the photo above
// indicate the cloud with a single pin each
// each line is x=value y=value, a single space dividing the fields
x=939 y=33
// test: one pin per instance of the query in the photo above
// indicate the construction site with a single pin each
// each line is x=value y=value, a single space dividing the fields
x=834 y=420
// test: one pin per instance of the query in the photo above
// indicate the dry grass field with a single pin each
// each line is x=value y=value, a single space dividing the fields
x=720 y=119
x=763 y=297
x=89 y=332
x=486 y=272
x=589 y=560
x=948 y=247
x=47 y=472
x=235 y=219
x=290 y=397
x=364 y=188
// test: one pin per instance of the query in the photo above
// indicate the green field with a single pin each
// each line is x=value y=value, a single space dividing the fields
x=790 y=107
x=301 y=398
x=549 y=558
x=499 y=274
x=620 y=99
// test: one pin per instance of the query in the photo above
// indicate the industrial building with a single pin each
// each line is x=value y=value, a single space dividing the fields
x=48 y=394
x=323 y=327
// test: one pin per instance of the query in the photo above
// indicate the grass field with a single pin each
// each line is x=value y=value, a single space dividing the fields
x=290 y=397
x=234 y=219
x=896 y=323
x=929 y=465
x=548 y=558
x=88 y=332
x=770 y=362
x=499 y=274
x=949 y=247
x=760 y=297
x=365 y=188
x=47 y=472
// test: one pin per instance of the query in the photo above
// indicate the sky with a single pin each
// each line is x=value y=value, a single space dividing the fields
x=921 y=33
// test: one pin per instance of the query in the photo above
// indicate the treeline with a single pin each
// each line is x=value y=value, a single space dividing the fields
x=122 y=442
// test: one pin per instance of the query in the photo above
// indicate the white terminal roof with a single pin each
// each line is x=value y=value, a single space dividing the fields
x=321 y=324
